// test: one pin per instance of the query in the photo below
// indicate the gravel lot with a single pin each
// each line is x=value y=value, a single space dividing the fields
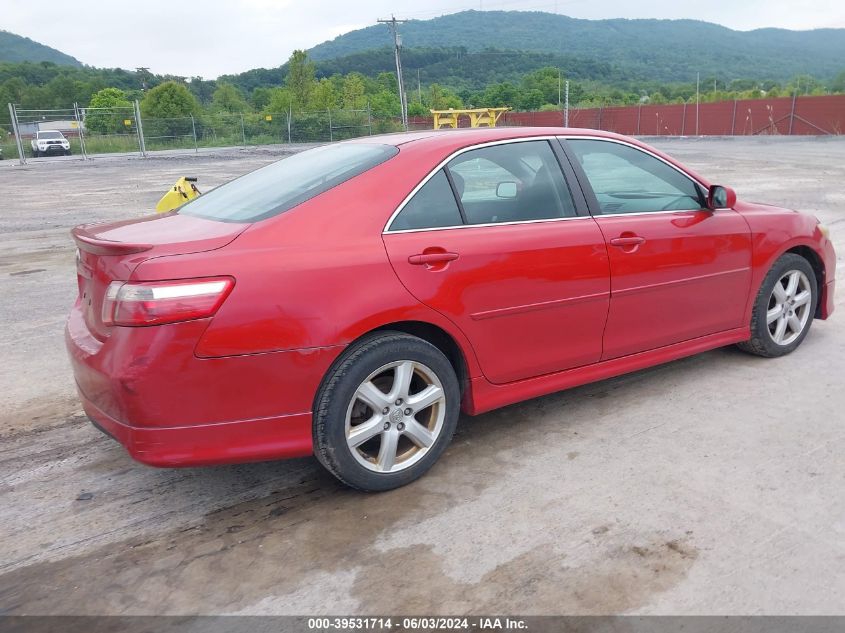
x=711 y=485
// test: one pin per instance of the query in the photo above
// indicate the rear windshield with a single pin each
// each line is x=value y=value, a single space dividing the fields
x=291 y=181
x=50 y=135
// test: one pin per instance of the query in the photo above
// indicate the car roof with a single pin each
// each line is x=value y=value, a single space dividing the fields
x=461 y=137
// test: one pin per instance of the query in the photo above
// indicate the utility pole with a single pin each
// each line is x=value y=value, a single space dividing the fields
x=393 y=23
x=566 y=107
x=558 y=88
x=697 y=85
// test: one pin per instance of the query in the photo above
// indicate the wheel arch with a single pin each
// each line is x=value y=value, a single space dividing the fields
x=427 y=331
x=438 y=337
x=816 y=263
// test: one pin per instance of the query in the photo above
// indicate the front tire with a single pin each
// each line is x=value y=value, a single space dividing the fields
x=386 y=412
x=784 y=308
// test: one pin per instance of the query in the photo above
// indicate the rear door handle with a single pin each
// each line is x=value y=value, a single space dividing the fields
x=432 y=258
x=634 y=240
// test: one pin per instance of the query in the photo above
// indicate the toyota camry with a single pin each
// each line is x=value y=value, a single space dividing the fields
x=352 y=300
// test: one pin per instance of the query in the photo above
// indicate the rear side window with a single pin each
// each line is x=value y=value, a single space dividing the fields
x=281 y=186
x=432 y=206
x=512 y=182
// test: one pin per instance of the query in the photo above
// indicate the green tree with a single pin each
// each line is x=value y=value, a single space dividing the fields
x=415 y=108
x=386 y=104
x=441 y=98
x=279 y=102
x=169 y=100
x=261 y=97
x=530 y=99
x=112 y=119
x=227 y=98
x=324 y=95
x=354 y=93
x=300 y=80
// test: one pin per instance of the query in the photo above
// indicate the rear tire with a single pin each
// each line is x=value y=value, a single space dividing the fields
x=35 y=153
x=784 y=308
x=385 y=412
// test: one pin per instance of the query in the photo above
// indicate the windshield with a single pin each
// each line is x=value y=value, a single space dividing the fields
x=284 y=184
x=50 y=135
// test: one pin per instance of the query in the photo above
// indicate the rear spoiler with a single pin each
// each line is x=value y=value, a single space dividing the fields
x=90 y=243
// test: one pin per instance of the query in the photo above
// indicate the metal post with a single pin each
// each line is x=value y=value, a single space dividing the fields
x=733 y=120
x=142 y=146
x=600 y=113
x=243 y=130
x=194 y=128
x=684 y=119
x=79 y=131
x=290 y=116
x=639 y=114
x=370 y=118
x=566 y=106
x=792 y=112
x=331 y=132
x=14 y=115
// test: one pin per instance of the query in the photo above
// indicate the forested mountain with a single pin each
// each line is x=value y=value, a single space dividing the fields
x=14 y=48
x=660 y=50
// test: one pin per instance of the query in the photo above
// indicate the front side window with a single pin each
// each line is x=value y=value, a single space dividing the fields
x=513 y=182
x=284 y=184
x=628 y=180
x=431 y=207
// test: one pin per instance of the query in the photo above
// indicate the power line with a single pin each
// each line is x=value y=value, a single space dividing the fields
x=393 y=24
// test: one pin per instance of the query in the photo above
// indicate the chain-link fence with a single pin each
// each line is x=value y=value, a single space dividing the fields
x=111 y=130
x=8 y=146
x=95 y=131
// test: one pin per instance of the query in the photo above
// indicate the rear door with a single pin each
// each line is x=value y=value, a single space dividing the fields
x=678 y=270
x=494 y=241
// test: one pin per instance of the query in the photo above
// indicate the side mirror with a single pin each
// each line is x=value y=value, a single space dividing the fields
x=507 y=190
x=720 y=197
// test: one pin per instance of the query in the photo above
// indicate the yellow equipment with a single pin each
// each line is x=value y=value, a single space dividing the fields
x=184 y=190
x=478 y=117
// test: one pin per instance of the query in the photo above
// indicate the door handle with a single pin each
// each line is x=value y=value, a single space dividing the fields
x=432 y=258
x=627 y=241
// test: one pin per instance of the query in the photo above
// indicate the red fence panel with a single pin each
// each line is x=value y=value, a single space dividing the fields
x=778 y=115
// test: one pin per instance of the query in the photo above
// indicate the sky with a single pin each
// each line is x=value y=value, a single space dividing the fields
x=208 y=38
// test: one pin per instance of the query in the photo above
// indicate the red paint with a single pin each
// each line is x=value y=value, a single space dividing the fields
x=695 y=263
x=532 y=307
x=812 y=115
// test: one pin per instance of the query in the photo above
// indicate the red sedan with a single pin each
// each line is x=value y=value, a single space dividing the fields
x=351 y=300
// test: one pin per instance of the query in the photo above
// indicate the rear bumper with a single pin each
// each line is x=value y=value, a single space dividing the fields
x=145 y=387
x=207 y=444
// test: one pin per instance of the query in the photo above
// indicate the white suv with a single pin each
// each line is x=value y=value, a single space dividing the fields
x=50 y=142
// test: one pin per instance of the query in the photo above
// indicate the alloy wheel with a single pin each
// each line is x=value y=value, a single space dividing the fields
x=789 y=307
x=395 y=416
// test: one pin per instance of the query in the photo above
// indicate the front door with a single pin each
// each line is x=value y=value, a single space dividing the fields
x=493 y=242
x=678 y=270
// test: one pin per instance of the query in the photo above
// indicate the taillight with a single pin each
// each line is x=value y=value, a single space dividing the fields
x=157 y=302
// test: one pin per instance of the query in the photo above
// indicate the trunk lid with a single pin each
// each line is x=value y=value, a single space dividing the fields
x=111 y=252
